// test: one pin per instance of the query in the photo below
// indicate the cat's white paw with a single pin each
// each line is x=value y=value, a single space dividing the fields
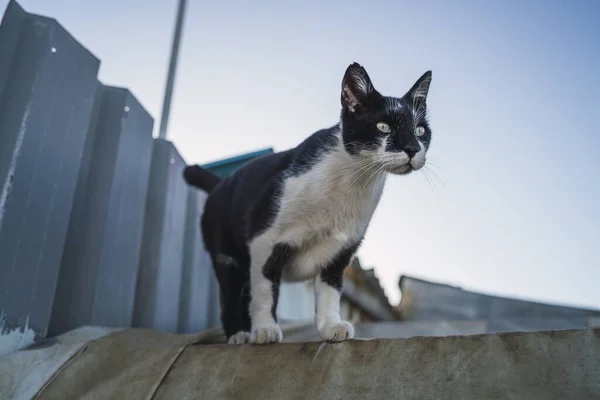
x=336 y=331
x=266 y=334
x=240 y=337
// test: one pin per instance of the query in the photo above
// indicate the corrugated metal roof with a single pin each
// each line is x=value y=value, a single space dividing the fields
x=424 y=300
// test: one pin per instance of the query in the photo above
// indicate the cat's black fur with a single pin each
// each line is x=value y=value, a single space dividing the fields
x=242 y=206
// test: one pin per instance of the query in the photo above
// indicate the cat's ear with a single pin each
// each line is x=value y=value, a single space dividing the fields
x=356 y=88
x=420 y=89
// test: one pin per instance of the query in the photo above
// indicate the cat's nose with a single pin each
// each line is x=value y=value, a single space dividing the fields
x=412 y=149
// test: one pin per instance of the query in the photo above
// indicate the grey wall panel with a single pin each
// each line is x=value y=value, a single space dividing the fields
x=197 y=305
x=124 y=228
x=17 y=79
x=75 y=282
x=44 y=113
x=10 y=30
x=101 y=256
x=159 y=277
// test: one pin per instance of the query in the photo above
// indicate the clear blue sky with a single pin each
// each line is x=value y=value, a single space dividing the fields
x=514 y=102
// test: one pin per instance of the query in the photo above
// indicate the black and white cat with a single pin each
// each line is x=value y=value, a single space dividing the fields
x=302 y=213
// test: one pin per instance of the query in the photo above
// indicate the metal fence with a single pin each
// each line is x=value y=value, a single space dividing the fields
x=97 y=226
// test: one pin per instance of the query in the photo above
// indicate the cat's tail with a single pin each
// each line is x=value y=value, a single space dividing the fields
x=200 y=178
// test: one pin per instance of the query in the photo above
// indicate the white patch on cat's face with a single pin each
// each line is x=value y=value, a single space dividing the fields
x=395 y=162
x=418 y=161
x=388 y=161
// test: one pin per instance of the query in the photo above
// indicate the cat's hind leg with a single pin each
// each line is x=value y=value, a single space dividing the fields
x=266 y=267
x=243 y=336
x=233 y=284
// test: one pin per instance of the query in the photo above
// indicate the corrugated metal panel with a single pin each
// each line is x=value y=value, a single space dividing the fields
x=45 y=107
x=98 y=274
x=199 y=308
x=160 y=270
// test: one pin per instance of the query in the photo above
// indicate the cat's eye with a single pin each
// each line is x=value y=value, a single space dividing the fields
x=420 y=131
x=383 y=127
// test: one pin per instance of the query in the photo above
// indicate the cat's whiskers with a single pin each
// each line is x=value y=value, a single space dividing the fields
x=355 y=176
x=433 y=161
x=428 y=179
x=356 y=164
x=436 y=176
x=435 y=168
x=377 y=174
x=376 y=165
x=432 y=177
x=360 y=168
x=382 y=161
x=372 y=166
x=349 y=144
x=435 y=164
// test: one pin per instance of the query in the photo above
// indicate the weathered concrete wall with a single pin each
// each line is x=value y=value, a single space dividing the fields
x=141 y=364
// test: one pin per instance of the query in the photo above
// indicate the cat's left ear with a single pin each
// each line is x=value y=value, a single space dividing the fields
x=356 y=88
x=420 y=89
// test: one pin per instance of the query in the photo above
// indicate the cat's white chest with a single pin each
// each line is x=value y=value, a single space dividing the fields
x=314 y=255
x=323 y=211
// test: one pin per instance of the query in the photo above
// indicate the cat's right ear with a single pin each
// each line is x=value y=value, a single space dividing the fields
x=420 y=89
x=356 y=88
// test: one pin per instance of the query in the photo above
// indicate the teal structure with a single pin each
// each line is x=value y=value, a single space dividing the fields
x=228 y=166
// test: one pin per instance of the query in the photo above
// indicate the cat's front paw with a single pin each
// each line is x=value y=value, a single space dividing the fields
x=336 y=331
x=240 y=337
x=266 y=334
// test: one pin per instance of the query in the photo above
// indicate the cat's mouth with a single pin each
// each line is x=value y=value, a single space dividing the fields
x=401 y=170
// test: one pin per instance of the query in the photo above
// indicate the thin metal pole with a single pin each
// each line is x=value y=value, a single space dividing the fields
x=166 y=110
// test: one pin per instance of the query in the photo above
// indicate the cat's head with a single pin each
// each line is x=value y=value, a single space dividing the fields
x=391 y=133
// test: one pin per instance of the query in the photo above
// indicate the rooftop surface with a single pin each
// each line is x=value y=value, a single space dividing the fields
x=145 y=364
